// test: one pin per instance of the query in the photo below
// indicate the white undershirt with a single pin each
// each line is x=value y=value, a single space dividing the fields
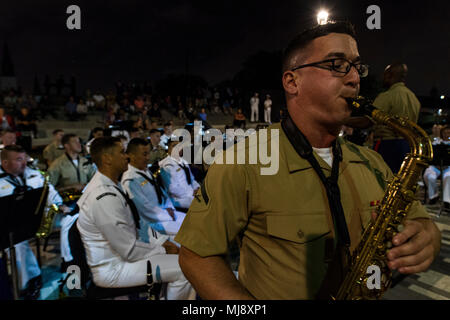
x=326 y=154
x=75 y=162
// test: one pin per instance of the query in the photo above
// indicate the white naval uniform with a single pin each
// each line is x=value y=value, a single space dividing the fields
x=254 y=106
x=27 y=265
x=164 y=140
x=176 y=183
x=115 y=256
x=267 y=110
x=145 y=197
x=430 y=177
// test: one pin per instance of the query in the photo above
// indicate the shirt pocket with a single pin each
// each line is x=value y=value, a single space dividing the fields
x=299 y=228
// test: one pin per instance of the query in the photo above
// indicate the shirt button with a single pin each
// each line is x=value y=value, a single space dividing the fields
x=300 y=233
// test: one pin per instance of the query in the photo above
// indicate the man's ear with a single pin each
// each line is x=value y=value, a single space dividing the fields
x=106 y=159
x=290 y=82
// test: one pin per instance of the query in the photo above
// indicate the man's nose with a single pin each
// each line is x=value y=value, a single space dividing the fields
x=352 y=78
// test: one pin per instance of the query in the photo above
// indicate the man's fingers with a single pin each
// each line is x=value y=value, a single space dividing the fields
x=414 y=245
x=417 y=268
x=410 y=229
x=410 y=260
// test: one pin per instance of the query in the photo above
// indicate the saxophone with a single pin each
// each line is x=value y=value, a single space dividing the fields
x=46 y=225
x=399 y=195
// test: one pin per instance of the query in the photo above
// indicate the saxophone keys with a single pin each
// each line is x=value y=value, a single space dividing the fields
x=400 y=228
x=388 y=244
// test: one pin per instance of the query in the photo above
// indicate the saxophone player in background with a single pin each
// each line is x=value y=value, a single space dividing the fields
x=293 y=223
x=70 y=173
x=15 y=177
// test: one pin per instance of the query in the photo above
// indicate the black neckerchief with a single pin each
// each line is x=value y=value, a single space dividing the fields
x=133 y=208
x=155 y=185
x=76 y=167
x=304 y=149
x=187 y=172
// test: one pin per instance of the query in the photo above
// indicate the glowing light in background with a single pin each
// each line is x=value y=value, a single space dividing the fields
x=322 y=17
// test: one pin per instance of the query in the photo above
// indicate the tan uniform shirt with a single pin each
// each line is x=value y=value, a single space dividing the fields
x=53 y=151
x=157 y=154
x=283 y=219
x=63 y=172
x=397 y=101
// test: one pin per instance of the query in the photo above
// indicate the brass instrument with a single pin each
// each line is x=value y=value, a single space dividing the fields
x=69 y=196
x=398 y=197
x=47 y=218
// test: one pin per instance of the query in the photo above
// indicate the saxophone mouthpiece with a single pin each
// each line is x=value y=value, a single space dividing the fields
x=361 y=109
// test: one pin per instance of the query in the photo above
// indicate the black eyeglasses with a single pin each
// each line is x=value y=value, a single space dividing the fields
x=339 y=65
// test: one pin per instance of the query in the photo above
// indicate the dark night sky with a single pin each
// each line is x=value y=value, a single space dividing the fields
x=138 y=40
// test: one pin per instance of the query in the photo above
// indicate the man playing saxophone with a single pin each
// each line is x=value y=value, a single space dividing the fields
x=16 y=177
x=293 y=224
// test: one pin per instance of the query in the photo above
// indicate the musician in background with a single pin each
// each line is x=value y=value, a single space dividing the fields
x=70 y=173
x=146 y=191
x=157 y=152
x=177 y=178
x=432 y=173
x=397 y=100
x=54 y=149
x=16 y=177
x=108 y=224
x=97 y=132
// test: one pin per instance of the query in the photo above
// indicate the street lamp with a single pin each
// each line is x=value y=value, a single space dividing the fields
x=322 y=17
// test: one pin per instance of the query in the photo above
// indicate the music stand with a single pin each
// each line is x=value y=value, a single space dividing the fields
x=441 y=158
x=19 y=221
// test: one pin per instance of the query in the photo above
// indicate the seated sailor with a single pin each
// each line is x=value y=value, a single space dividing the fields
x=108 y=224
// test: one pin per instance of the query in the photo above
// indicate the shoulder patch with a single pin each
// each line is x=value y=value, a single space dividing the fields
x=106 y=194
x=143 y=183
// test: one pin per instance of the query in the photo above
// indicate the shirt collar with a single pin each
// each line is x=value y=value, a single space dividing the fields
x=134 y=169
x=397 y=84
x=296 y=163
x=107 y=181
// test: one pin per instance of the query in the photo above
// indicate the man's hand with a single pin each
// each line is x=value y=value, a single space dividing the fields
x=414 y=247
x=64 y=209
x=170 y=247
x=171 y=213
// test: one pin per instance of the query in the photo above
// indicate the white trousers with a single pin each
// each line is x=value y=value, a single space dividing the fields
x=169 y=227
x=267 y=113
x=165 y=268
x=254 y=114
x=66 y=223
x=27 y=264
x=430 y=177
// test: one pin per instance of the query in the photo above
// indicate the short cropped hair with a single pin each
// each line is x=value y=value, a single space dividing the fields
x=56 y=131
x=152 y=131
x=12 y=148
x=97 y=129
x=100 y=146
x=66 y=138
x=300 y=42
x=134 y=144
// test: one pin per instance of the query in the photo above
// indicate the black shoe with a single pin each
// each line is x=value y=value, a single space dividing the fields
x=433 y=201
x=33 y=289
